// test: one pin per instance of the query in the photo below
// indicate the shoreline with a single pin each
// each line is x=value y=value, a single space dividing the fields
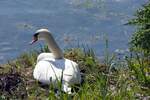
x=98 y=79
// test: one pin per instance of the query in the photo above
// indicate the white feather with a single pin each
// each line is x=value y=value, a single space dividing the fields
x=50 y=69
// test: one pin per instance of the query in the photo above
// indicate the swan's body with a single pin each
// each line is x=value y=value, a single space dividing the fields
x=53 y=67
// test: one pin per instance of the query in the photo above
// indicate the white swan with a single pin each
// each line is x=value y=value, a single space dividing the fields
x=53 y=67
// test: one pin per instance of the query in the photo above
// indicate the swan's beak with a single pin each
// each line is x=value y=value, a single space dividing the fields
x=33 y=40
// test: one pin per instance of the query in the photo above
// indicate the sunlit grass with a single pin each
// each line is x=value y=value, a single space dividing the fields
x=129 y=80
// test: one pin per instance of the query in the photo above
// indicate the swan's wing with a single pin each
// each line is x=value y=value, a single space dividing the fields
x=72 y=72
x=46 y=72
x=45 y=56
x=57 y=67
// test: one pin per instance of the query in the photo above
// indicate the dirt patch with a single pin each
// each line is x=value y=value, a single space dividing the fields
x=12 y=85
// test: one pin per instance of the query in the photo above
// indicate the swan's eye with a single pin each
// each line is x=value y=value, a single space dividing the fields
x=35 y=38
x=36 y=34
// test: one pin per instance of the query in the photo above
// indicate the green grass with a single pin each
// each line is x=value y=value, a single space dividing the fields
x=129 y=80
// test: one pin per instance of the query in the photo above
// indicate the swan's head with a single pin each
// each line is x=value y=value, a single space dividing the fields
x=40 y=34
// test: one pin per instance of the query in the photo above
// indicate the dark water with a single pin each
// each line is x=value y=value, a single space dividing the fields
x=72 y=22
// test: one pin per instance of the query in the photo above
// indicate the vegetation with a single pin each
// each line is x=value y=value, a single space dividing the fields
x=141 y=38
x=111 y=79
x=114 y=79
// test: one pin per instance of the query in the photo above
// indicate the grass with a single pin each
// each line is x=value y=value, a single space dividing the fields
x=114 y=79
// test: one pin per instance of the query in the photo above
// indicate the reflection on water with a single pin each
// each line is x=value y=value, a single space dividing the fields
x=72 y=22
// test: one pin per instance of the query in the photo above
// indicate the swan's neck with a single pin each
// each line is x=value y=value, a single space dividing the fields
x=53 y=47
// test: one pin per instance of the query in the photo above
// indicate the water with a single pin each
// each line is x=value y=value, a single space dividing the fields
x=72 y=22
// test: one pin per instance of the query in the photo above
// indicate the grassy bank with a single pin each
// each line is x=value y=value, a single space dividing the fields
x=112 y=79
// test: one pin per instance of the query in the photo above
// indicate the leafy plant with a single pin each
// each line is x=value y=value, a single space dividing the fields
x=141 y=38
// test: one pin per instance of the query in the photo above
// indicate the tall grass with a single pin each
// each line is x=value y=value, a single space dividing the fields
x=113 y=79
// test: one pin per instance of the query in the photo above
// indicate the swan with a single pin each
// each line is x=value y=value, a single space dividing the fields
x=53 y=67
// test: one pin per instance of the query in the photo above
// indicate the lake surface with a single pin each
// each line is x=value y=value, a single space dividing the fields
x=73 y=23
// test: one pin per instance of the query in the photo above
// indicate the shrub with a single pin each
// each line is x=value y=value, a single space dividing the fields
x=141 y=38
